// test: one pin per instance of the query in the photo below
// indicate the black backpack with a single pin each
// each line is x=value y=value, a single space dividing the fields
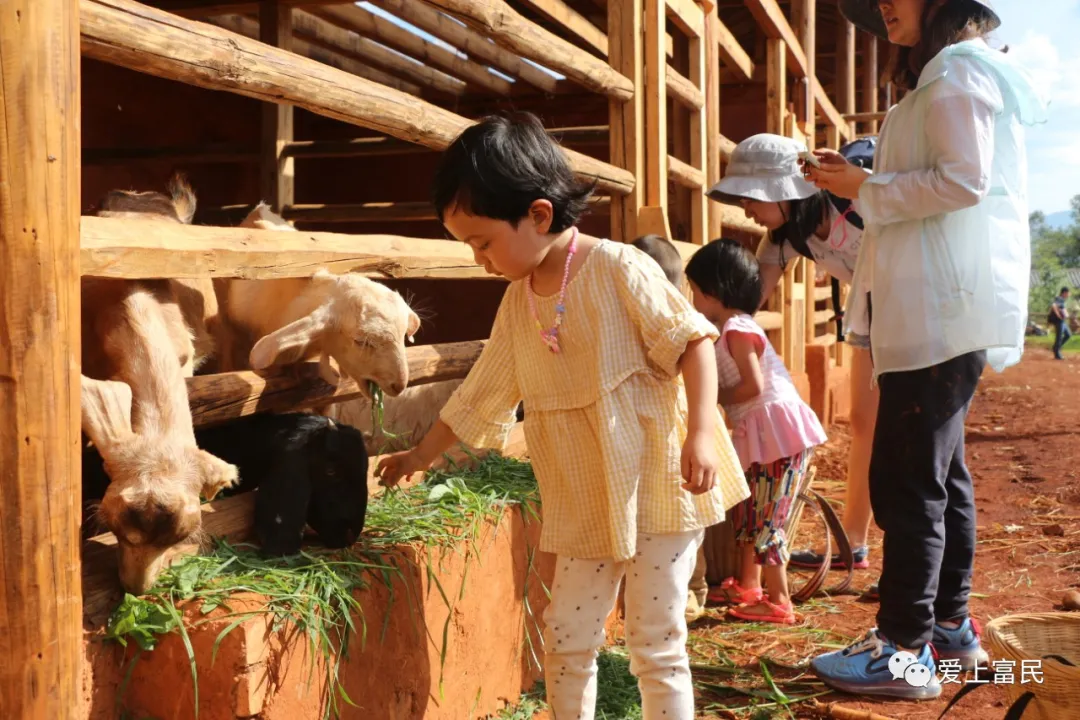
x=861 y=154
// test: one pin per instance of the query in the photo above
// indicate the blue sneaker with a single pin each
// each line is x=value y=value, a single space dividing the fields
x=866 y=668
x=961 y=644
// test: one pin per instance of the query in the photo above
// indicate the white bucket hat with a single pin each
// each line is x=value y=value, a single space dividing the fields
x=764 y=167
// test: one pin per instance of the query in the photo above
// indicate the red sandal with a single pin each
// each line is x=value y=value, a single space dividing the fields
x=731 y=592
x=781 y=614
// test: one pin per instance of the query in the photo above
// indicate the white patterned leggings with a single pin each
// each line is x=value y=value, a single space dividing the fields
x=583 y=594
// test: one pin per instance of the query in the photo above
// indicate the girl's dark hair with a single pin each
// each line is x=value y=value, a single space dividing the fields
x=500 y=166
x=944 y=23
x=727 y=271
x=803 y=220
x=666 y=255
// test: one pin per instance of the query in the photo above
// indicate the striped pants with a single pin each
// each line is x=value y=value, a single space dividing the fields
x=759 y=520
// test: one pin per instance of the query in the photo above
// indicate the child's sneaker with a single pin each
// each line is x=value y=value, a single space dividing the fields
x=961 y=644
x=867 y=668
x=812 y=560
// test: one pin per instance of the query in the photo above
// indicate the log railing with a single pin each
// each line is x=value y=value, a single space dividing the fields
x=126 y=33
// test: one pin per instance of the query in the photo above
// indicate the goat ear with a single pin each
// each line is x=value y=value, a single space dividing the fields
x=290 y=343
x=414 y=326
x=106 y=412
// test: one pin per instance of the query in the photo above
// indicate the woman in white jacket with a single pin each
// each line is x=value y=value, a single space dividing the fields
x=946 y=261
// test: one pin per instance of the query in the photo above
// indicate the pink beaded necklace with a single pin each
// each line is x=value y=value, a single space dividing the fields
x=551 y=336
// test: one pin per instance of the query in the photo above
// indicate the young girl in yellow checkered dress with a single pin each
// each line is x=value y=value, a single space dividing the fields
x=593 y=339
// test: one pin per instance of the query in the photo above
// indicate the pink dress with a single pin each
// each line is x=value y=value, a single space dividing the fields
x=777 y=423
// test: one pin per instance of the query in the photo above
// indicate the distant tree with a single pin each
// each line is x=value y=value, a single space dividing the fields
x=1052 y=252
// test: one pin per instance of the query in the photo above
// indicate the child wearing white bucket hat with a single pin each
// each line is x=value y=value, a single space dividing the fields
x=765 y=178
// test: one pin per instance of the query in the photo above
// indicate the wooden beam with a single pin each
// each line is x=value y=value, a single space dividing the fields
x=344 y=59
x=776 y=86
x=227 y=396
x=682 y=89
x=125 y=33
x=509 y=29
x=41 y=646
x=561 y=13
x=832 y=115
x=687 y=16
x=685 y=174
x=735 y=219
x=771 y=20
x=731 y=52
x=870 y=80
x=467 y=40
x=769 y=319
x=380 y=146
x=277 y=172
x=320 y=33
x=118 y=248
x=866 y=116
x=727 y=146
x=361 y=212
x=302 y=149
x=627 y=119
x=378 y=28
x=655 y=129
x=714 y=144
x=381 y=211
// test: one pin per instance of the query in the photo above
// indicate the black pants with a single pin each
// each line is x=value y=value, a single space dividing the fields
x=1061 y=336
x=922 y=497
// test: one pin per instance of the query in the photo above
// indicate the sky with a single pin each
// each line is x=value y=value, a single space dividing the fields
x=1043 y=35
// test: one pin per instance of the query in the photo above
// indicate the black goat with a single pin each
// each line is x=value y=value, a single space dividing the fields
x=308 y=469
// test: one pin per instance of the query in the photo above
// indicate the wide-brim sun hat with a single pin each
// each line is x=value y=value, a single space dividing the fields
x=865 y=15
x=765 y=168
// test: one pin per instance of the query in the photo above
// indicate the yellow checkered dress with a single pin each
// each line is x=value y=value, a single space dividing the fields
x=605 y=419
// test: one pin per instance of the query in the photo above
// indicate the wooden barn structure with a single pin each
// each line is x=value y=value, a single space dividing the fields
x=333 y=113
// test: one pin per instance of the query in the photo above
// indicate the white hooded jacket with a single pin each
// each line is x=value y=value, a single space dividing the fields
x=946 y=254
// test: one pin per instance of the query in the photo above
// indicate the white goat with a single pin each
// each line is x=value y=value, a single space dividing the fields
x=360 y=324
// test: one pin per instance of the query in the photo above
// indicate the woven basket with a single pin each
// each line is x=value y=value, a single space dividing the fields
x=1031 y=638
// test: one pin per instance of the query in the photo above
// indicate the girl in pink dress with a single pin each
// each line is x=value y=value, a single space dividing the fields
x=773 y=430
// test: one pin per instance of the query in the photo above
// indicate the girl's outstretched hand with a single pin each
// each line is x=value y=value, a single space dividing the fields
x=395 y=466
x=836 y=174
x=699 y=462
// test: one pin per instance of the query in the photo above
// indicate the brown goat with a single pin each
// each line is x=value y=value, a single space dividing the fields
x=141 y=339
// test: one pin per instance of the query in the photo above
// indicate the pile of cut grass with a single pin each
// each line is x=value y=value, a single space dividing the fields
x=315 y=591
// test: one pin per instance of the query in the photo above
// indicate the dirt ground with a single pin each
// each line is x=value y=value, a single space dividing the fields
x=1021 y=451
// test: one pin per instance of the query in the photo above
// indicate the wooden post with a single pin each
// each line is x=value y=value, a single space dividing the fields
x=870 y=80
x=627 y=119
x=40 y=458
x=655 y=129
x=845 y=67
x=804 y=19
x=776 y=85
x=712 y=119
x=699 y=220
x=278 y=170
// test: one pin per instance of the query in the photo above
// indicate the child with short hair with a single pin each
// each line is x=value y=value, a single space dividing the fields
x=667 y=256
x=774 y=431
x=631 y=464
